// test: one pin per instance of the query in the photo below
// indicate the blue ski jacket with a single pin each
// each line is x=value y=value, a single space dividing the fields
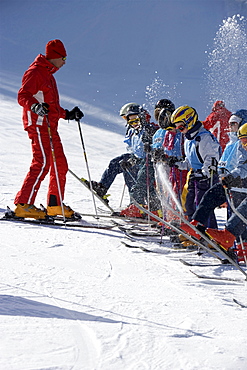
x=199 y=152
x=134 y=142
x=158 y=138
x=229 y=158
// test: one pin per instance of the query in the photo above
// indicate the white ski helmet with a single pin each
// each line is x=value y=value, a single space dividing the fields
x=123 y=111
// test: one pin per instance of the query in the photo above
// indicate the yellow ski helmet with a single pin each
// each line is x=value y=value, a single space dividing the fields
x=185 y=114
x=242 y=132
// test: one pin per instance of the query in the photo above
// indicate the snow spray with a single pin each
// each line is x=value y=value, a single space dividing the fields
x=159 y=90
x=165 y=186
x=226 y=73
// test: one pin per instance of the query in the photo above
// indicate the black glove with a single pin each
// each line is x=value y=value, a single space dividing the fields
x=229 y=181
x=158 y=154
x=147 y=147
x=75 y=113
x=126 y=165
x=198 y=176
x=171 y=161
x=40 y=108
x=214 y=166
x=149 y=131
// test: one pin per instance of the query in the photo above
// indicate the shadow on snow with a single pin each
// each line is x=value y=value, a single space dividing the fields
x=17 y=306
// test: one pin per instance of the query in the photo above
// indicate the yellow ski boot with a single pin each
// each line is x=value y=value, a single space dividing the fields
x=57 y=211
x=24 y=210
x=185 y=242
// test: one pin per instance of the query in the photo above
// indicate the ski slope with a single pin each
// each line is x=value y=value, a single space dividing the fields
x=79 y=299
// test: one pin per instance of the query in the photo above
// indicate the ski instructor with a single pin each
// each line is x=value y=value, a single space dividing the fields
x=39 y=98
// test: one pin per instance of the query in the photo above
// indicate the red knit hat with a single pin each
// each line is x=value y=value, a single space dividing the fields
x=55 y=49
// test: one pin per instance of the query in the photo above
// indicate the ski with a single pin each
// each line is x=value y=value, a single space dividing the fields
x=239 y=303
x=133 y=226
x=144 y=238
x=57 y=223
x=83 y=182
x=164 y=244
x=203 y=242
x=186 y=263
x=161 y=249
x=134 y=232
x=137 y=246
x=217 y=277
x=123 y=219
x=145 y=230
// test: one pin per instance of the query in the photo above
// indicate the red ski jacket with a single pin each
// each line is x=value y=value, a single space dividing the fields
x=39 y=86
x=217 y=123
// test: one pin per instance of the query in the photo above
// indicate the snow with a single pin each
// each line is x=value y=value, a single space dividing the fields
x=78 y=298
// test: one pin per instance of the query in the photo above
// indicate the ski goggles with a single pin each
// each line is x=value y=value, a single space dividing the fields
x=181 y=127
x=134 y=122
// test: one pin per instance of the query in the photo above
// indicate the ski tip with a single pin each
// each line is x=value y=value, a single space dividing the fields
x=239 y=303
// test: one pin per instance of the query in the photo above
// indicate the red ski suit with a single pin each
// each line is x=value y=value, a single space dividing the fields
x=217 y=123
x=39 y=86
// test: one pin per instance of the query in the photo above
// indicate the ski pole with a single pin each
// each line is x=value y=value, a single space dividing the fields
x=148 y=184
x=86 y=161
x=230 y=201
x=158 y=188
x=213 y=170
x=55 y=167
x=130 y=174
x=121 y=201
x=243 y=249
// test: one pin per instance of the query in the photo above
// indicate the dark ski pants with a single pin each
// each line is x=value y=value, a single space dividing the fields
x=196 y=190
x=146 y=180
x=114 y=168
x=235 y=225
x=212 y=199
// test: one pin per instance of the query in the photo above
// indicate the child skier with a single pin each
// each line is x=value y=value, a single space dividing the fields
x=235 y=226
x=167 y=147
x=202 y=150
x=126 y=163
x=228 y=166
x=139 y=139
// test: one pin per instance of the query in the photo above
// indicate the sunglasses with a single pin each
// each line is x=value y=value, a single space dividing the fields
x=63 y=58
x=134 y=122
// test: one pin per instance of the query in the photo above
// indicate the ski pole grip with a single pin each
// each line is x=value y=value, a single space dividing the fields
x=77 y=118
